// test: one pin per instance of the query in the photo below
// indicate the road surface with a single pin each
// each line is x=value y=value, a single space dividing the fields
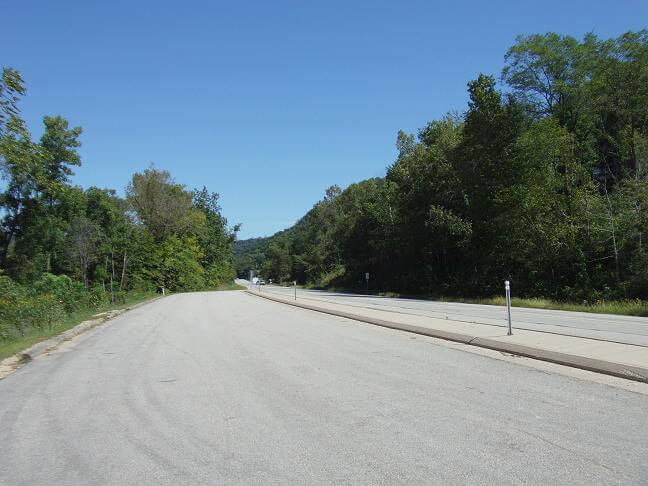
x=228 y=388
x=607 y=327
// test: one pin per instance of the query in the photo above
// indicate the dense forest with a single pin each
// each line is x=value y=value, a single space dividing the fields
x=541 y=180
x=65 y=248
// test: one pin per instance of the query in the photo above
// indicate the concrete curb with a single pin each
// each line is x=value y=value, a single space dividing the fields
x=599 y=366
x=8 y=365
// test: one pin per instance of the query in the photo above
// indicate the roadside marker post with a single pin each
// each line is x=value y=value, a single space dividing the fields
x=507 y=287
x=295 y=285
x=367 y=279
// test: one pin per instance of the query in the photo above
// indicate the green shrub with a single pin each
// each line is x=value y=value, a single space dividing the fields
x=23 y=308
x=119 y=297
x=95 y=298
x=5 y=331
x=46 y=303
x=330 y=276
x=70 y=293
x=44 y=311
x=12 y=296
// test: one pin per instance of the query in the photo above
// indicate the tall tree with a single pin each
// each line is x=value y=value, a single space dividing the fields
x=162 y=205
x=83 y=236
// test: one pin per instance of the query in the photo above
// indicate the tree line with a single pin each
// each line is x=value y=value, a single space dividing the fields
x=542 y=180
x=70 y=246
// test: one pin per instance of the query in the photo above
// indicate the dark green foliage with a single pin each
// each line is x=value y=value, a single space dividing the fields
x=545 y=185
x=248 y=255
x=215 y=239
x=12 y=87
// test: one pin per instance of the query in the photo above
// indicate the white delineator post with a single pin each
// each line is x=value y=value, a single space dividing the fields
x=295 y=285
x=507 y=287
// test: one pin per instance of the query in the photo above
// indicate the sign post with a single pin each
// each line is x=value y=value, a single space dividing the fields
x=507 y=288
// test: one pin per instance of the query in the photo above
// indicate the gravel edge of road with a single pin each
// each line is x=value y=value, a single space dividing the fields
x=598 y=366
x=12 y=363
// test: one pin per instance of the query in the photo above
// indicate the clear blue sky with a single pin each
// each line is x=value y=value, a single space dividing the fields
x=266 y=102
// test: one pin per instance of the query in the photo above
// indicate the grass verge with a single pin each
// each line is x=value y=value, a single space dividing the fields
x=619 y=307
x=13 y=346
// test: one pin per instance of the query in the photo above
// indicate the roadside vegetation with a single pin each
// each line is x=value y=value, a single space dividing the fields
x=621 y=307
x=542 y=180
x=229 y=286
x=28 y=316
x=67 y=252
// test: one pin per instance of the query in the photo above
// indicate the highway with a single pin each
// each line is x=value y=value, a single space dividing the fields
x=607 y=327
x=229 y=388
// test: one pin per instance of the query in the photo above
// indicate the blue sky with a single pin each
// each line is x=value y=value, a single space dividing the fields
x=266 y=102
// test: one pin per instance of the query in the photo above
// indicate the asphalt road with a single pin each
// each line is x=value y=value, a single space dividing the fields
x=227 y=388
x=621 y=329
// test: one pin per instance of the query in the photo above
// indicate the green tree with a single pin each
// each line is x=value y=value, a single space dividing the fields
x=34 y=222
x=12 y=87
x=82 y=238
x=215 y=239
x=162 y=205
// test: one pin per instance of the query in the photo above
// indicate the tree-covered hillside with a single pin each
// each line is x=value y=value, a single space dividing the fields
x=542 y=180
x=249 y=255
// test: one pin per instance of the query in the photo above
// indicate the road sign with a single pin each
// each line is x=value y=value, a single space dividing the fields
x=367 y=276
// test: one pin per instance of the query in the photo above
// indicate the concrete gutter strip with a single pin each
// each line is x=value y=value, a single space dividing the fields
x=590 y=364
x=9 y=364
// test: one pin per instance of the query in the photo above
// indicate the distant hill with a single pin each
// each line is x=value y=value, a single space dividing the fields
x=249 y=255
x=251 y=244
